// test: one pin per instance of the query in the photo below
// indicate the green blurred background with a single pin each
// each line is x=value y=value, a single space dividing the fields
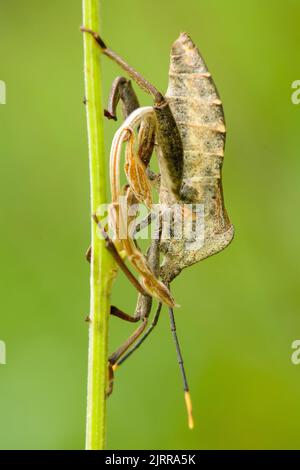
x=240 y=309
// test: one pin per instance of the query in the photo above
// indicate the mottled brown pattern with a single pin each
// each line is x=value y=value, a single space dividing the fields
x=170 y=144
x=198 y=112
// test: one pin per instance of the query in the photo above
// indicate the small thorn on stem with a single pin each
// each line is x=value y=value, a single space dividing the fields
x=88 y=254
x=88 y=319
x=95 y=218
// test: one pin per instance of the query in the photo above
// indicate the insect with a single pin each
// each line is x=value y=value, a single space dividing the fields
x=186 y=128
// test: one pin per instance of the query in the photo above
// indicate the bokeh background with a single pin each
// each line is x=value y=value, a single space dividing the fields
x=240 y=309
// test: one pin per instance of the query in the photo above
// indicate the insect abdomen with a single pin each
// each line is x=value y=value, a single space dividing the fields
x=198 y=112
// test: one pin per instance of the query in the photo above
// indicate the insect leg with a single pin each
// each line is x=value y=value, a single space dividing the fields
x=139 y=188
x=132 y=338
x=114 y=252
x=136 y=76
x=142 y=339
x=181 y=365
x=142 y=311
x=168 y=136
x=115 y=311
x=113 y=359
x=144 y=303
x=121 y=89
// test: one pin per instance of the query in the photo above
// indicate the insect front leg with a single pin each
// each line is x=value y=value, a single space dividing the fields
x=168 y=136
x=121 y=89
x=136 y=76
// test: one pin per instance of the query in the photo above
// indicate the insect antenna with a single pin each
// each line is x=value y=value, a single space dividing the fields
x=187 y=395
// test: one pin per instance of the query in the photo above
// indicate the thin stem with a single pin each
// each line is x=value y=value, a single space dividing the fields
x=102 y=265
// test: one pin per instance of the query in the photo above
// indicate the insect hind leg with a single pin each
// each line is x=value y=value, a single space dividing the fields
x=113 y=358
x=142 y=339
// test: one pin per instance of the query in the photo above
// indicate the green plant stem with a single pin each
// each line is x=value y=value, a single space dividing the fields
x=101 y=263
